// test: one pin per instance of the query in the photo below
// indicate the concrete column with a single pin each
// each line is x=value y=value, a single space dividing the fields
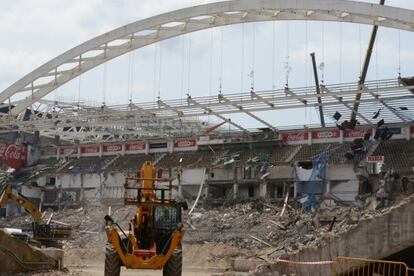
x=235 y=185
x=408 y=132
x=309 y=137
x=79 y=152
x=171 y=146
x=146 y=147
x=100 y=150
x=123 y=150
x=235 y=190
x=263 y=189
x=341 y=136
x=180 y=187
x=82 y=193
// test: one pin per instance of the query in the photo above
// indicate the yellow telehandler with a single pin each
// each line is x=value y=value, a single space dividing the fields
x=155 y=232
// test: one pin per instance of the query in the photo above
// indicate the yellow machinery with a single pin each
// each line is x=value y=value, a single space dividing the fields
x=46 y=234
x=155 y=232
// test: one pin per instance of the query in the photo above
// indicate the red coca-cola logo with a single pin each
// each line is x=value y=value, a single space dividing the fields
x=14 y=152
x=325 y=134
x=298 y=136
x=135 y=147
x=185 y=143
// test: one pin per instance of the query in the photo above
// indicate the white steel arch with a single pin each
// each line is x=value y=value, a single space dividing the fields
x=103 y=48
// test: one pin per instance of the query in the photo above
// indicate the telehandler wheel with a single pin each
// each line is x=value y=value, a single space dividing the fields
x=174 y=265
x=112 y=261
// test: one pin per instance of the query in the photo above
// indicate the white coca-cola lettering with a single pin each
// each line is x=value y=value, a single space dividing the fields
x=90 y=150
x=357 y=133
x=375 y=158
x=185 y=143
x=112 y=148
x=46 y=152
x=69 y=150
x=135 y=147
x=13 y=152
x=296 y=136
x=326 y=134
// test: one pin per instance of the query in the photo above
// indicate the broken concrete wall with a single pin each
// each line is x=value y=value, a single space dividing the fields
x=345 y=190
x=374 y=237
x=340 y=172
x=17 y=256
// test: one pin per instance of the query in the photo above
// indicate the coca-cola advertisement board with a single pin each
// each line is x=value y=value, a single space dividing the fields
x=91 y=150
x=185 y=143
x=138 y=146
x=295 y=137
x=326 y=134
x=68 y=151
x=48 y=152
x=14 y=156
x=374 y=159
x=112 y=148
x=357 y=133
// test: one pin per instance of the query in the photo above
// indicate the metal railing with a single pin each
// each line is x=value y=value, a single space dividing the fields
x=342 y=266
x=348 y=266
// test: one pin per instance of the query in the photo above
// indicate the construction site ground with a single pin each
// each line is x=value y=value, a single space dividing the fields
x=256 y=231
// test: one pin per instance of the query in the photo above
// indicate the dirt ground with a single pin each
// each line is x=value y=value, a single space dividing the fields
x=203 y=260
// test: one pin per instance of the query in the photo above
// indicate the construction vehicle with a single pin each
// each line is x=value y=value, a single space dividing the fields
x=45 y=233
x=155 y=232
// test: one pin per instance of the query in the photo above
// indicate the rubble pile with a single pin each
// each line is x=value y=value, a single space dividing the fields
x=260 y=225
x=87 y=223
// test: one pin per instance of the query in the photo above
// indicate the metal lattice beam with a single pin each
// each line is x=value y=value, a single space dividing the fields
x=101 y=49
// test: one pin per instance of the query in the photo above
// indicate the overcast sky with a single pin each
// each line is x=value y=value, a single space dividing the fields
x=33 y=32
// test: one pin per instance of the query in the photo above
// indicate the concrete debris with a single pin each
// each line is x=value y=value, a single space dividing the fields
x=243 y=226
x=87 y=223
x=17 y=256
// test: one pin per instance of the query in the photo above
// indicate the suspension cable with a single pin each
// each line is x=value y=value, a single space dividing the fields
x=340 y=52
x=287 y=67
x=104 y=81
x=79 y=90
x=189 y=64
x=160 y=72
x=129 y=89
x=253 y=56
x=242 y=60
x=210 y=84
x=306 y=65
x=154 y=87
x=376 y=59
x=182 y=69
x=360 y=46
x=274 y=58
x=221 y=62
x=399 y=53
x=322 y=67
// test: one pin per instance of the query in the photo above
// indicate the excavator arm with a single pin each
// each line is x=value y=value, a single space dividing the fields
x=7 y=194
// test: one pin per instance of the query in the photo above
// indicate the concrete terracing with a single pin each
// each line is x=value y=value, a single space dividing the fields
x=376 y=237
